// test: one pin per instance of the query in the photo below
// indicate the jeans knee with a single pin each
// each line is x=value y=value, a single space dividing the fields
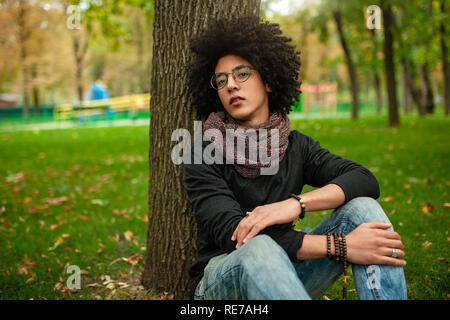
x=364 y=209
x=260 y=251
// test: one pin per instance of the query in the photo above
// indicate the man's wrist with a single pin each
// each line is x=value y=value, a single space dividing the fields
x=301 y=203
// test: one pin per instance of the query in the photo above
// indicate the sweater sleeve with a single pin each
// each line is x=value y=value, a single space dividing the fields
x=215 y=207
x=218 y=213
x=322 y=167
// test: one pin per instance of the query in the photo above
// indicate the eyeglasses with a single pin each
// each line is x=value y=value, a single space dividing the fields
x=240 y=74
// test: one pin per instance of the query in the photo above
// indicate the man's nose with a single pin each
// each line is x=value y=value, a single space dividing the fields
x=231 y=83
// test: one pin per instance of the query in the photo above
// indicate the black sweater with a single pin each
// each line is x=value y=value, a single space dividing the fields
x=220 y=196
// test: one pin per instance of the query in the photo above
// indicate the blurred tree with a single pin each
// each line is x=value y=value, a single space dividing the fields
x=24 y=34
x=417 y=26
x=337 y=15
x=444 y=21
x=348 y=17
x=394 y=119
x=171 y=239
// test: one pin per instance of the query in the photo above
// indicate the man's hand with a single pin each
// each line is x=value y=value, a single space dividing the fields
x=371 y=243
x=264 y=216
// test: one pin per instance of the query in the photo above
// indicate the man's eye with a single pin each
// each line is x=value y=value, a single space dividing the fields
x=220 y=81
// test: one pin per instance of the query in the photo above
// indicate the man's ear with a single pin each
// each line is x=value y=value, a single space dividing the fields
x=267 y=88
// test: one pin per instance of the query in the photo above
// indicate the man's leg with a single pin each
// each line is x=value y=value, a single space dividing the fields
x=371 y=281
x=258 y=270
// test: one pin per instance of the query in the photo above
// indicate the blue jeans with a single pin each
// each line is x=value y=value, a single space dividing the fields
x=261 y=269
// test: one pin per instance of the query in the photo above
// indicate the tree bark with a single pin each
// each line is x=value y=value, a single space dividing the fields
x=406 y=93
x=394 y=119
x=24 y=34
x=414 y=91
x=35 y=89
x=350 y=65
x=172 y=232
x=376 y=76
x=445 y=64
x=79 y=51
x=427 y=92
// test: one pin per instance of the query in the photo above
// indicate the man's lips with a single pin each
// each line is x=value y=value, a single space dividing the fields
x=236 y=100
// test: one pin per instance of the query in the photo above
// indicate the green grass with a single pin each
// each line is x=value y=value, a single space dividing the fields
x=79 y=197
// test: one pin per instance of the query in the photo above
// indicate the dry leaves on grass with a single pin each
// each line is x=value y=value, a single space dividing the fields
x=427 y=244
x=56 y=201
x=387 y=199
x=428 y=209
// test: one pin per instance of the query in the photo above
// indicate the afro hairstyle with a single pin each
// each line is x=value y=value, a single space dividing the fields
x=260 y=43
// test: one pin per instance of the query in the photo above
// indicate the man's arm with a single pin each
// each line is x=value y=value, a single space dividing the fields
x=328 y=197
x=368 y=244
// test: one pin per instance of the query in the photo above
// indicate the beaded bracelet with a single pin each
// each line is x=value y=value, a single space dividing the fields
x=329 y=255
x=336 y=247
x=340 y=254
x=302 y=205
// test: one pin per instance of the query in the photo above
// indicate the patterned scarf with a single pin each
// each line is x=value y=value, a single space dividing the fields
x=260 y=146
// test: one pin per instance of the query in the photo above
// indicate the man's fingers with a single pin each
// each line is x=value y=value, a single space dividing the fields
x=390 y=234
x=378 y=225
x=393 y=244
x=234 y=236
x=247 y=229
x=255 y=230
x=394 y=261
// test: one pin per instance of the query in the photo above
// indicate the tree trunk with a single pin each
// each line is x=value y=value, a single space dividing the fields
x=394 y=119
x=24 y=34
x=414 y=91
x=79 y=50
x=406 y=93
x=35 y=89
x=350 y=65
x=427 y=92
x=376 y=76
x=445 y=64
x=172 y=231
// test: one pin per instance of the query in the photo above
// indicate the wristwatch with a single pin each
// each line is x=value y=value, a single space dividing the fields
x=302 y=205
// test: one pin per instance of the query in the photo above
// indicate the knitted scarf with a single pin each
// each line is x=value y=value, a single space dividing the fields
x=260 y=146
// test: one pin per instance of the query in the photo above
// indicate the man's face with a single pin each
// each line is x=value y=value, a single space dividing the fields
x=247 y=101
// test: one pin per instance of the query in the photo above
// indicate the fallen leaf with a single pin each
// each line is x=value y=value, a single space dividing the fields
x=15 y=178
x=134 y=259
x=56 y=244
x=428 y=209
x=22 y=270
x=100 y=202
x=426 y=244
x=57 y=286
x=29 y=280
x=387 y=199
x=56 y=201
x=111 y=286
x=128 y=235
x=57 y=225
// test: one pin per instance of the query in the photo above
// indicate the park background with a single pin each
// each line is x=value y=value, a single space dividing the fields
x=74 y=171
